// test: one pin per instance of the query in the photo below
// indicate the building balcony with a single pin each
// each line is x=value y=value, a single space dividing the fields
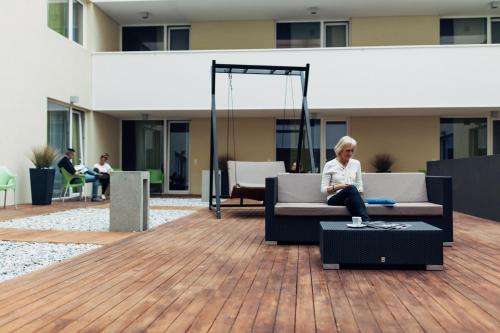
x=349 y=80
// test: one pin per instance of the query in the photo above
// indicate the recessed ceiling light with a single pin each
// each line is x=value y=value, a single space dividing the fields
x=144 y=15
x=495 y=4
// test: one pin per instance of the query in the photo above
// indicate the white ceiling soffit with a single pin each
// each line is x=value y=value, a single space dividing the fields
x=183 y=11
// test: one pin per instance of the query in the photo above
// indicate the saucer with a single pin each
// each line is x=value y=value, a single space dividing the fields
x=352 y=225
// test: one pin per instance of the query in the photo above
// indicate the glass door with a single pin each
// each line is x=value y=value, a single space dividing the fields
x=77 y=136
x=178 y=156
x=334 y=130
x=142 y=149
x=57 y=137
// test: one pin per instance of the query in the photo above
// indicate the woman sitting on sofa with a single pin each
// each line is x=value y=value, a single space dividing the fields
x=342 y=179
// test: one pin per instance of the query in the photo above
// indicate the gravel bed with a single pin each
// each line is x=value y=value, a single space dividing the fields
x=86 y=219
x=18 y=258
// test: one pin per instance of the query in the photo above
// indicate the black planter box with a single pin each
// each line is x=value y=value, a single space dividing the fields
x=42 y=186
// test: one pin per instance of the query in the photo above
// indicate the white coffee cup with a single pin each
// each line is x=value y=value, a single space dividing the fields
x=356 y=220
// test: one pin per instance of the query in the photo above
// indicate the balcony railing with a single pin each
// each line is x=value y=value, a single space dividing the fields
x=464 y=76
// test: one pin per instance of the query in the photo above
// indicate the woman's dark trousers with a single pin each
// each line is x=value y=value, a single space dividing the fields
x=350 y=198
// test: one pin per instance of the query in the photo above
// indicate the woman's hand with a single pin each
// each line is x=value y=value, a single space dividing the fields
x=340 y=186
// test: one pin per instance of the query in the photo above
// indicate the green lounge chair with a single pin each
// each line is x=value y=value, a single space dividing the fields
x=67 y=178
x=7 y=182
x=156 y=177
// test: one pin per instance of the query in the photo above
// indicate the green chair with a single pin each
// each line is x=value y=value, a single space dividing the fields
x=67 y=178
x=156 y=177
x=7 y=182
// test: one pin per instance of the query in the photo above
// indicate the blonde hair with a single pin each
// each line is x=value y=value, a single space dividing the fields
x=343 y=142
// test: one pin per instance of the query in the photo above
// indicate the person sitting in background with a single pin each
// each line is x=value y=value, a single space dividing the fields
x=104 y=170
x=90 y=176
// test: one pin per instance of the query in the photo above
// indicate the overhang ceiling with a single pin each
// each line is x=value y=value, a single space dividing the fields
x=185 y=11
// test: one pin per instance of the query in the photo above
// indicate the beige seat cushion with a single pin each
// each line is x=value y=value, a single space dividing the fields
x=322 y=209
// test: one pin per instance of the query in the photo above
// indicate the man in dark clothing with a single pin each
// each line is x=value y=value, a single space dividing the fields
x=90 y=175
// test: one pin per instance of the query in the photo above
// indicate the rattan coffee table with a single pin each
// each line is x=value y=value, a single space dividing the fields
x=419 y=245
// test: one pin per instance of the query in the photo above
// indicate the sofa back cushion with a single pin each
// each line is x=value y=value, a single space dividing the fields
x=300 y=187
x=401 y=187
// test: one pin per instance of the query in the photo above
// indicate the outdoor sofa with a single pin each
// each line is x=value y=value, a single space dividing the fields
x=295 y=205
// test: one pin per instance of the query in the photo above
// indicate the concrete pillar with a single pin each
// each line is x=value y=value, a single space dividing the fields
x=129 y=207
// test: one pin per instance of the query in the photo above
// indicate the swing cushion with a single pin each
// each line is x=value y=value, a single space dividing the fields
x=248 y=179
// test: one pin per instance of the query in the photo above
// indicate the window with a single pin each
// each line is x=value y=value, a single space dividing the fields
x=178 y=38
x=64 y=132
x=287 y=138
x=58 y=11
x=66 y=19
x=463 y=137
x=496 y=136
x=463 y=31
x=178 y=156
x=495 y=31
x=336 y=34
x=298 y=34
x=145 y=38
x=78 y=22
x=334 y=131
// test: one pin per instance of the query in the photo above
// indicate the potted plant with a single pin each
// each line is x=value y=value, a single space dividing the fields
x=42 y=175
x=383 y=163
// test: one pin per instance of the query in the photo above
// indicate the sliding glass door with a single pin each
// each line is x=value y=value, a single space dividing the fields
x=287 y=138
x=178 y=156
x=334 y=130
x=65 y=128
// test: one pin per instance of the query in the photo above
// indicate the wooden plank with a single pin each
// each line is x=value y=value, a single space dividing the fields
x=323 y=311
x=414 y=306
x=245 y=319
x=382 y=314
x=266 y=314
x=285 y=316
x=360 y=309
x=304 y=310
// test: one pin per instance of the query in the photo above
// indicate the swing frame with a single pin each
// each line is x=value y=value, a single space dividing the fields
x=303 y=73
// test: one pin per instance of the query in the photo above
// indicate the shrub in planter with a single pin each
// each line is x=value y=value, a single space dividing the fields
x=42 y=175
x=383 y=162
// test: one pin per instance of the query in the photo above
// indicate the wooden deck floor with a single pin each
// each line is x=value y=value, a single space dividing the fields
x=198 y=274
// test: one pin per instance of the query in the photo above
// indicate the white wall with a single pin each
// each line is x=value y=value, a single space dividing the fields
x=365 y=77
x=36 y=63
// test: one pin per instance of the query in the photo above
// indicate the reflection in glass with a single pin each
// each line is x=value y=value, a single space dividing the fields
x=336 y=35
x=334 y=131
x=178 y=39
x=142 y=145
x=58 y=16
x=495 y=31
x=463 y=137
x=149 y=38
x=77 y=22
x=179 y=157
x=287 y=138
x=57 y=137
x=463 y=31
x=301 y=34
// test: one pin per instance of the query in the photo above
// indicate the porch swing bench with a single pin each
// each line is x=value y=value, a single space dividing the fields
x=247 y=180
